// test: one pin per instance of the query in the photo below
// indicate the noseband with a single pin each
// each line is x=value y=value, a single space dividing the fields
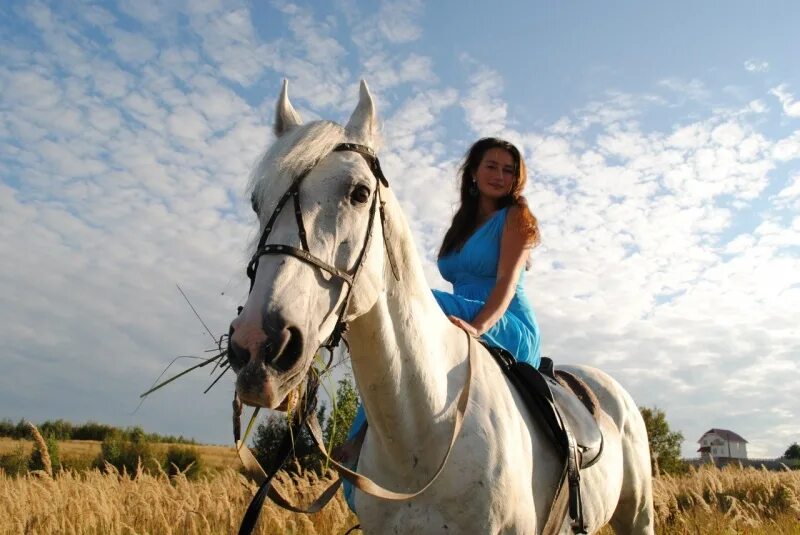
x=305 y=255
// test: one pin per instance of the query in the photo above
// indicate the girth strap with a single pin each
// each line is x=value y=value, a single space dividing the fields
x=538 y=397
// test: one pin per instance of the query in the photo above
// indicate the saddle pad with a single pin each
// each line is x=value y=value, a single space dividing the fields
x=559 y=407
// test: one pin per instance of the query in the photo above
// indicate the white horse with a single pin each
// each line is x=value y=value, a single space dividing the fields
x=409 y=361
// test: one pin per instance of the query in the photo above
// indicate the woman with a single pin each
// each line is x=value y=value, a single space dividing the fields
x=485 y=249
x=483 y=254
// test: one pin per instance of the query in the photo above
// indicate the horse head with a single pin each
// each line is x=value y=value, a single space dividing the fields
x=321 y=178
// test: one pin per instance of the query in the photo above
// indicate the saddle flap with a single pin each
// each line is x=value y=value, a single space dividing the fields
x=558 y=406
x=579 y=421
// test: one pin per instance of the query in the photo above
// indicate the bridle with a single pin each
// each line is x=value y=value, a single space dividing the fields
x=305 y=255
x=306 y=415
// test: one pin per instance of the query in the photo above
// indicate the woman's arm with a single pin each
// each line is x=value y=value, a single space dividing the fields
x=514 y=251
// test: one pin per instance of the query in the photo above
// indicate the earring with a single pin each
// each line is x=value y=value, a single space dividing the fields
x=473 y=188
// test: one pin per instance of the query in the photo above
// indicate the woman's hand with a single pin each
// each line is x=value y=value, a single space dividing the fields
x=458 y=322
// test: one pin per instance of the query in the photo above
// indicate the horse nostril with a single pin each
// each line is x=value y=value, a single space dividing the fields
x=238 y=356
x=290 y=349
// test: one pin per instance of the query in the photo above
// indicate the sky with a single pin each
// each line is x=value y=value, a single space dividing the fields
x=662 y=141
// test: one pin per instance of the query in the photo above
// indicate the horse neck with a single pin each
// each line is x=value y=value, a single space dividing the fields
x=405 y=356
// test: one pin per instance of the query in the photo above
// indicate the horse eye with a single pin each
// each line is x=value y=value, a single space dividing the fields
x=359 y=195
x=254 y=203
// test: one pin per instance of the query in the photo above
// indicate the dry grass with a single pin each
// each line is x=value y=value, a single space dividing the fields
x=731 y=500
x=96 y=503
x=707 y=501
x=38 y=439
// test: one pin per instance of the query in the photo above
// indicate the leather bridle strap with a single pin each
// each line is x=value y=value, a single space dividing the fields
x=375 y=166
x=369 y=155
x=308 y=258
x=305 y=255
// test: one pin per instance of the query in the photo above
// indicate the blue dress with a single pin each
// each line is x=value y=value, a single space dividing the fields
x=473 y=272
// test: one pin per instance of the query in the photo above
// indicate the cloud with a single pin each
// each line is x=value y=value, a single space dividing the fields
x=385 y=72
x=789 y=196
x=757 y=106
x=691 y=89
x=791 y=107
x=754 y=65
x=486 y=112
x=669 y=254
x=396 y=20
x=635 y=259
x=229 y=39
x=788 y=148
x=376 y=37
x=130 y=47
x=311 y=60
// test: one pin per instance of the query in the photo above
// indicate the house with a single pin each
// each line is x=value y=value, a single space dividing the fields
x=721 y=444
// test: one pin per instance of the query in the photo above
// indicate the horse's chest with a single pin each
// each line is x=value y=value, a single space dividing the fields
x=470 y=497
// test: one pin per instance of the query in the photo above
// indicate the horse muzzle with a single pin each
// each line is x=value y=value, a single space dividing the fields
x=269 y=361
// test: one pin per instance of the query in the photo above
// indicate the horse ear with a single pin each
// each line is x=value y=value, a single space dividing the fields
x=363 y=123
x=286 y=117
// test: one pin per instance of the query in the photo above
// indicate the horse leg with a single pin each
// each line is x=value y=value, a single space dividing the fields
x=634 y=513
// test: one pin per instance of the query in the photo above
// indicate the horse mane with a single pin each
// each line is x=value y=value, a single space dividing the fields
x=289 y=156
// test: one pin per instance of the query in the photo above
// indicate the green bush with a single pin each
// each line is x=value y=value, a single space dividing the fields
x=6 y=428
x=91 y=431
x=16 y=462
x=185 y=460
x=78 y=464
x=58 y=429
x=128 y=455
x=36 y=462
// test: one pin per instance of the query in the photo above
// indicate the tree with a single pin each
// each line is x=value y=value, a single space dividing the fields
x=268 y=437
x=792 y=452
x=665 y=445
x=269 y=434
x=344 y=412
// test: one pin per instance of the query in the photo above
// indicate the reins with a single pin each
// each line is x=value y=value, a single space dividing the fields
x=307 y=416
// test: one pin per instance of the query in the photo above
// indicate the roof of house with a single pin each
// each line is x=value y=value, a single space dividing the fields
x=726 y=434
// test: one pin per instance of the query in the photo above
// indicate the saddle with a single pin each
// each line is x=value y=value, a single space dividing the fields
x=568 y=408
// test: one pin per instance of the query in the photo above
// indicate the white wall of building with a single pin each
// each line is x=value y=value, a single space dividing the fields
x=722 y=448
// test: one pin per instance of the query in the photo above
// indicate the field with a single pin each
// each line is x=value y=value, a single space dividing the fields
x=82 y=451
x=706 y=501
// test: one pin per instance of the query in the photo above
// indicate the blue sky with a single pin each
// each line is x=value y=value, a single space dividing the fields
x=663 y=143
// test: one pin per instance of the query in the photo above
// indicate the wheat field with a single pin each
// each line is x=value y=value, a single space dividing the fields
x=706 y=501
x=92 y=502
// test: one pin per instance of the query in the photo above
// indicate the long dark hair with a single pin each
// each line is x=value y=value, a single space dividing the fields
x=466 y=219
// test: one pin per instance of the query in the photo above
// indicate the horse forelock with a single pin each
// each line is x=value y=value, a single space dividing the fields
x=289 y=156
x=293 y=153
